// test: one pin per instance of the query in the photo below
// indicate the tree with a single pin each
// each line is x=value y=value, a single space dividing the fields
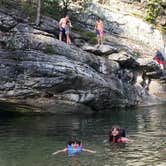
x=66 y=4
x=38 y=12
x=153 y=9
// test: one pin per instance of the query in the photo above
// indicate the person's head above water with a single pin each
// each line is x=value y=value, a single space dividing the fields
x=74 y=146
x=74 y=143
x=115 y=130
x=116 y=134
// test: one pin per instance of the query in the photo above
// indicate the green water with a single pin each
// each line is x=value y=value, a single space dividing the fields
x=30 y=140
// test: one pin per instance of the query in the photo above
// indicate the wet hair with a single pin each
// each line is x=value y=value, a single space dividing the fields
x=110 y=133
x=121 y=133
x=74 y=141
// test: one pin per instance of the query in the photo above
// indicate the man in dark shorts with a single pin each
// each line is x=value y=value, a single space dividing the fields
x=62 y=26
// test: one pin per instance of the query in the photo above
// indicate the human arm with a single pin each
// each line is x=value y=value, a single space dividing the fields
x=124 y=139
x=59 y=151
x=88 y=150
x=95 y=26
x=60 y=23
x=70 y=24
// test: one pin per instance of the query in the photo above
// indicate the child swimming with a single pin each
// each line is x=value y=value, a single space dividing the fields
x=117 y=135
x=74 y=147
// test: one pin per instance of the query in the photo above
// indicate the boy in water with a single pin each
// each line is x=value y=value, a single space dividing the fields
x=99 y=28
x=74 y=147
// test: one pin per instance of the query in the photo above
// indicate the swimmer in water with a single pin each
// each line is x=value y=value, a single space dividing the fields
x=117 y=135
x=74 y=147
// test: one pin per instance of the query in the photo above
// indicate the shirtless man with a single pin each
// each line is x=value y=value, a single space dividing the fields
x=62 y=26
x=99 y=28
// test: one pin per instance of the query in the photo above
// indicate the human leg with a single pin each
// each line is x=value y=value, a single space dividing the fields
x=68 y=41
x=60 y=36
x=162 y=67
x=101 y=38
x=98 y=39
x=98 y=36
x=61 y=32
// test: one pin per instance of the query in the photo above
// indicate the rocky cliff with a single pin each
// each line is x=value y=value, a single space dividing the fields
x=39 y=71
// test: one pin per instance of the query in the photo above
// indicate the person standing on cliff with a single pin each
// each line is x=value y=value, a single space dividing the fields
x=99 y=28
x=62 y=26
x=67 y=31
x=159 y=59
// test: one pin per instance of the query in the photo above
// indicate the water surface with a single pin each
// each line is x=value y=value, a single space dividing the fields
x=30 y=140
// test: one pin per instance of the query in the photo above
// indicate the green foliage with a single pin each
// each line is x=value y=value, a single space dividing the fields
x=136 y=54
x=164 y=28
x=23 y=109
x=10 y=4
x=59 y=8
x=52 y=8
x=29 y=10
x=49 y=49
x=153 y=9
x=4 y=3
x=103 y=2
x=85 y=4
x=90 y=37
x=67 y=3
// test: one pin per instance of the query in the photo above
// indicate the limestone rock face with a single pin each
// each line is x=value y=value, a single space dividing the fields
x=7 y=22
x=38 y=70
x=125 y=24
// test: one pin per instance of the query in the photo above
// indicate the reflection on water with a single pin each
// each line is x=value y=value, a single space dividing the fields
x=30 y=140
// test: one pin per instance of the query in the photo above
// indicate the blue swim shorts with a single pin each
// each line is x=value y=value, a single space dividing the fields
x=62 y=30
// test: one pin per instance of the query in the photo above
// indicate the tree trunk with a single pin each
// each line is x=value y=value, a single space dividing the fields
x=38 y=12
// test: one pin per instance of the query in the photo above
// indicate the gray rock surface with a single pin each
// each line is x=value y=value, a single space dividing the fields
x=38 y=70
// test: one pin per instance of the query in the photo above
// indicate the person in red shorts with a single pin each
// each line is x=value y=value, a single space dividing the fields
x=159 y=59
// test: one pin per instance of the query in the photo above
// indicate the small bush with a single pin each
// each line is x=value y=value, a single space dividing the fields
x=136 y=54
x=29 y=11
x=23 y=109
x=152 y=11
x=90 y=36
x=164 y=28
x=52 y=8
x=6 y=3
x=49 y=49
